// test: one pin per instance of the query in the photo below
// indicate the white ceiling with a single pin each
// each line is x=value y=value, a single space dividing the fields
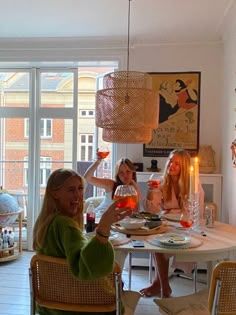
x=151 y=20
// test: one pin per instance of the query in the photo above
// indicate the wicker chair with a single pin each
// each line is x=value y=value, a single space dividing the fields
x=219 y=300
x=52 y=285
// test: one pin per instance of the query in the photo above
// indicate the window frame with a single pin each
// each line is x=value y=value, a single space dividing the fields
x=35 y=65
x=87 y=113
x=44 y=136
x=86 y=145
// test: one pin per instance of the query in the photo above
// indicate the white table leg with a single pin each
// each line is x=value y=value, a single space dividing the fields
x=130 y=270
x=210 y=266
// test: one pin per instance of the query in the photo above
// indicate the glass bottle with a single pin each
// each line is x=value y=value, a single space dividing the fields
x=90 y=218
x=5 y=239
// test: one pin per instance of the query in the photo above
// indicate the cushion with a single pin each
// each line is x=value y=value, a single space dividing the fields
x=193 y=304
x=130 y=300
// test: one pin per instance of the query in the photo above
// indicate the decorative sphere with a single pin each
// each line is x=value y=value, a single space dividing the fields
x=8 y=204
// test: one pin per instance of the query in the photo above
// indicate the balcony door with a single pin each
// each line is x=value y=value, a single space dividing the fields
x=47 y=121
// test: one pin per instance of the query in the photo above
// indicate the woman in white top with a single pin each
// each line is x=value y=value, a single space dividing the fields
x=125 y=174
x=170 y=197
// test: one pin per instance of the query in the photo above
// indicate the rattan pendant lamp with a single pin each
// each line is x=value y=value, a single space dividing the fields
x=127 y=108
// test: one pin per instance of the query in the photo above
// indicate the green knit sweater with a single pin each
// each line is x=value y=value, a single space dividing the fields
x=87 y=259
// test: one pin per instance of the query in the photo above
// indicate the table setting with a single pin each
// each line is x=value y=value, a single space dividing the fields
x=140 y=224
x=184 y=221
x=115 y=238
x=180 y=234
x=172 y=216
x=118 y=239
x=175 y=241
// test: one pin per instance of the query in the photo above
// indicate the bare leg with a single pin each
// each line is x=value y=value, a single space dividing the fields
x=160 y=285
x=155 y=288
x=163 y=268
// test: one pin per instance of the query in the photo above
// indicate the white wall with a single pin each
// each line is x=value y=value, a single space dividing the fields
x=206 y=58
x=229 y=120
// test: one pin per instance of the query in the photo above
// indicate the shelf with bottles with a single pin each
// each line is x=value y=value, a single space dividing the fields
x=7 y=224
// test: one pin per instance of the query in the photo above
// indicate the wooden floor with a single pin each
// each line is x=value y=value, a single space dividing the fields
x=14 y=287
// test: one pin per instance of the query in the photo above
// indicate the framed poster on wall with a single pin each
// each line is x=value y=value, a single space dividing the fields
x=179 y=98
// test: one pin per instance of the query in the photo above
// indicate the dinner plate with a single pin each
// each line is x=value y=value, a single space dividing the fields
x=172 y=216
x=112 y=237
x=174 y=239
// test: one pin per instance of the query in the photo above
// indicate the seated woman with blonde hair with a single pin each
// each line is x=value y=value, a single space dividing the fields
x=58 y=231
x=173 y=192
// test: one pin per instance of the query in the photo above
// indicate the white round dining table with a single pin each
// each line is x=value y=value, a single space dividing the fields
x=215 y=244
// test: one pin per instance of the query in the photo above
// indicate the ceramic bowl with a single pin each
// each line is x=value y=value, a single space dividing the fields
x=153 y=223
x=147 y=215
x=132 y=223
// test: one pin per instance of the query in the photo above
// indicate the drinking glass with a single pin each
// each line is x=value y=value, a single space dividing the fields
x=131 y=195
x=187 y=215
x=103 y=152
x=154 y=180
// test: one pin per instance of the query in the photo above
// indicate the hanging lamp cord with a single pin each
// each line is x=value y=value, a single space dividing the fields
x=127 y=98
x=128 y=43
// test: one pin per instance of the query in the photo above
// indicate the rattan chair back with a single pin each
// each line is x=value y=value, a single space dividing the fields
x=54 y=286
x=222 y=293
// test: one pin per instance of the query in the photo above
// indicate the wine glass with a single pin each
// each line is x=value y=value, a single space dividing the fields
x=154 y=180
x=128 y=195
x=103 y=152
x=187 y=216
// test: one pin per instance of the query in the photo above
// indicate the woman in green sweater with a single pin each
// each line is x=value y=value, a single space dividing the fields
x=58 y=230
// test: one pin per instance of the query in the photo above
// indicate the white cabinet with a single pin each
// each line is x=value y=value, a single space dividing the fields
x=211 y=184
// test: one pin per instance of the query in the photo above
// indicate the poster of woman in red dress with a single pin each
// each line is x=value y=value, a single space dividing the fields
x=179 y=99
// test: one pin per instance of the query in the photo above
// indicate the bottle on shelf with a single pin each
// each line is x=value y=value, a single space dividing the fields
x=90 y=218
x=11 y=242
x=1 y=240
x=9 y=252
x=1 y=244
x=5 y=239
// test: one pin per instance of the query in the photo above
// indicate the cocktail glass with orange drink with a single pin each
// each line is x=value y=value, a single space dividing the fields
x=154 y=180
x=187 y=215
x=103 y=152
x=128 y=196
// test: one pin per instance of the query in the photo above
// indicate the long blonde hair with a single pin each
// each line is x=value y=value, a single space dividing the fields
x=49 y=209
x=183 y=181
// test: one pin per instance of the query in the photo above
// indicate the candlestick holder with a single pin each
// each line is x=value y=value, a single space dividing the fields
x=196 y=212
x=193 y=206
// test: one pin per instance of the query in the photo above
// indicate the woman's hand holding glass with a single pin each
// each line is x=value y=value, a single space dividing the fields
x=127 y=196
x=154 y=181
x=153 y=200
x=113 y=214
x=125 y=201
x=102 y=152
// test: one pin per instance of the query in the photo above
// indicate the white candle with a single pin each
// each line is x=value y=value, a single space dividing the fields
x=196 y=175
x=191 y=183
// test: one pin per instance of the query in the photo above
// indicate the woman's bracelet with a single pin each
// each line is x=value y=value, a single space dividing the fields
x=101 y=233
